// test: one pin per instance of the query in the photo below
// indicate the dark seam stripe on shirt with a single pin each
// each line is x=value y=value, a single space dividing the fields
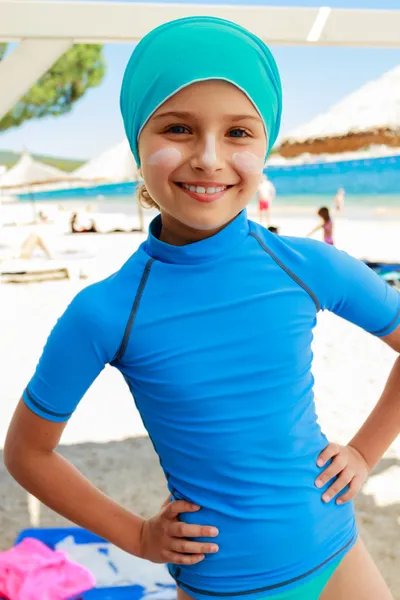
x=287 y=270
x=268 y=587
x=134 y=310
x=392 y=322
x=43 y=409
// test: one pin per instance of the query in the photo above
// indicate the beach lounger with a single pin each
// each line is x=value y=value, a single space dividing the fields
x=30 y=270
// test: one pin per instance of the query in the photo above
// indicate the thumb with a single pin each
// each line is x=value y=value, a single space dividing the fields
x=179 y=506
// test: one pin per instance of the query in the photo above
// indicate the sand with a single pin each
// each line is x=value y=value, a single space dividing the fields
x=350 y=369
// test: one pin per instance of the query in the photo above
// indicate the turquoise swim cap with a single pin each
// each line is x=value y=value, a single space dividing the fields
x=195 y=49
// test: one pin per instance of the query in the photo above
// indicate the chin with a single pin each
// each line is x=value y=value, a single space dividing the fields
x=207 y=222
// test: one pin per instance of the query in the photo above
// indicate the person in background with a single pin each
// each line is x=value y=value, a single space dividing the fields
x=273 y=229
x=326 y=225
x=266 y=193
x=27 y=248
x=339 y=200
x=76 y=227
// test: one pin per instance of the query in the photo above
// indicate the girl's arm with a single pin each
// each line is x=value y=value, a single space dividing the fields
x=383 y=424
x=30 y=457
x=352 y=464
x=350 y=289
x=314 y=230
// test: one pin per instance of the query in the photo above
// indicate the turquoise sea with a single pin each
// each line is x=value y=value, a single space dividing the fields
x=370 y=185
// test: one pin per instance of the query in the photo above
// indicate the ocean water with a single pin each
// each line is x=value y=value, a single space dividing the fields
x=370 y=184
x=360 y=178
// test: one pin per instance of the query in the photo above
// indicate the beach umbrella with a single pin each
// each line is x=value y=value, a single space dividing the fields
x=27 y=172
x=114 y=165
x=369 y=116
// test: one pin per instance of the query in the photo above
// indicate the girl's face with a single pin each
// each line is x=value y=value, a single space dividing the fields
x=202 y=154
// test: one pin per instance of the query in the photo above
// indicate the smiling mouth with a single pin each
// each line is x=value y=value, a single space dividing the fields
x=199 y=189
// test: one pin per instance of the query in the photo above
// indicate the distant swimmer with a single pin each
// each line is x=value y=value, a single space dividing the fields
x=339 y=200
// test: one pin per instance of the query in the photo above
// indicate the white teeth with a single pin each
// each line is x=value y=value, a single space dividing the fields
x=198 y=189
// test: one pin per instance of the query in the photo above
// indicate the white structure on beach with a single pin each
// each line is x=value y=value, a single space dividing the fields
x=28 y=171
x=115 y=164
x=374 y=106
x=46 y=29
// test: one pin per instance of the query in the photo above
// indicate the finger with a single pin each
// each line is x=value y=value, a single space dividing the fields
x=180 y=529
x=354 y=488
x=184 y=559
x=180 y=506
x=341 y=482
x=167 y=502
x=337 y=465
x=186 y=547
x=329 y=452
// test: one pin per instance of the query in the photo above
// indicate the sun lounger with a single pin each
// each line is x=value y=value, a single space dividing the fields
x=30 y=270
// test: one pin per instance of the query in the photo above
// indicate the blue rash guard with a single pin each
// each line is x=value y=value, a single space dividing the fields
x=214 y=341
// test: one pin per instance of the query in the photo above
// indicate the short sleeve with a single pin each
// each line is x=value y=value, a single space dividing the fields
x=75 y=353
x=350 y=289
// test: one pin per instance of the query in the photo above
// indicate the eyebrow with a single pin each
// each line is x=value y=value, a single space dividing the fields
x=187 y=115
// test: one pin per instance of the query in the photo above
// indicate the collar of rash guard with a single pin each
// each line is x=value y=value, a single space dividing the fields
x=205 y=250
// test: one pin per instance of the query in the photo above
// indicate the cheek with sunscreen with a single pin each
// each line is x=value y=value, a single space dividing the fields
x=247 y=162
x=166 y=157
x=210 y=151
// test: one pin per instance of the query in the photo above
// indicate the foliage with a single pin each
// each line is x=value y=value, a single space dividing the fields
x=3 y=48
x=80 y=68
x=9 y=159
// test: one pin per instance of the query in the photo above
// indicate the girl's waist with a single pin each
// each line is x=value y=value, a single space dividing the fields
x=261 y=519
x=261 y=556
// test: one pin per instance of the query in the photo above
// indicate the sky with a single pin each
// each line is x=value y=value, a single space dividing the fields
x=313 y=79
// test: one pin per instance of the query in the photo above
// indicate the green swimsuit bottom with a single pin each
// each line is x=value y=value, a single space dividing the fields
x=311 y=590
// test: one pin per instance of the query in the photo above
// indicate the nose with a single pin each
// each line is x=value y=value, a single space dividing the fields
x=207 y=156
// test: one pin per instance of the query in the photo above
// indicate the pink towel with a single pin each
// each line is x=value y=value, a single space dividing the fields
x=31 y=571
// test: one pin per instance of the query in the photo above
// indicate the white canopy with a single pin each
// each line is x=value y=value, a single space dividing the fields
x=28 y=171
x=46 y=29
x=115 y=164
x=107 y=22
x=376 y=105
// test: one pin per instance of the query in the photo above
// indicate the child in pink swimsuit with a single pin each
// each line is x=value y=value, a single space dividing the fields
x=326 y=225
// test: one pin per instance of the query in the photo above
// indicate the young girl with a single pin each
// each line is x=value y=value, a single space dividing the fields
x=326 y=225
x=260 y=501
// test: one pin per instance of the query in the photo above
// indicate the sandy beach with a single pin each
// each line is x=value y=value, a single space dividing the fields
x=350 y=368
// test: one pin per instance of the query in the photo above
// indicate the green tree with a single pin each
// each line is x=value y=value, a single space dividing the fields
x=3 y=48
x=80 y=68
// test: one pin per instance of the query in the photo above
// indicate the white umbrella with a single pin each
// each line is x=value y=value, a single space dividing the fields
x=115 y=164
x=373 y=108
x=28 y=171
